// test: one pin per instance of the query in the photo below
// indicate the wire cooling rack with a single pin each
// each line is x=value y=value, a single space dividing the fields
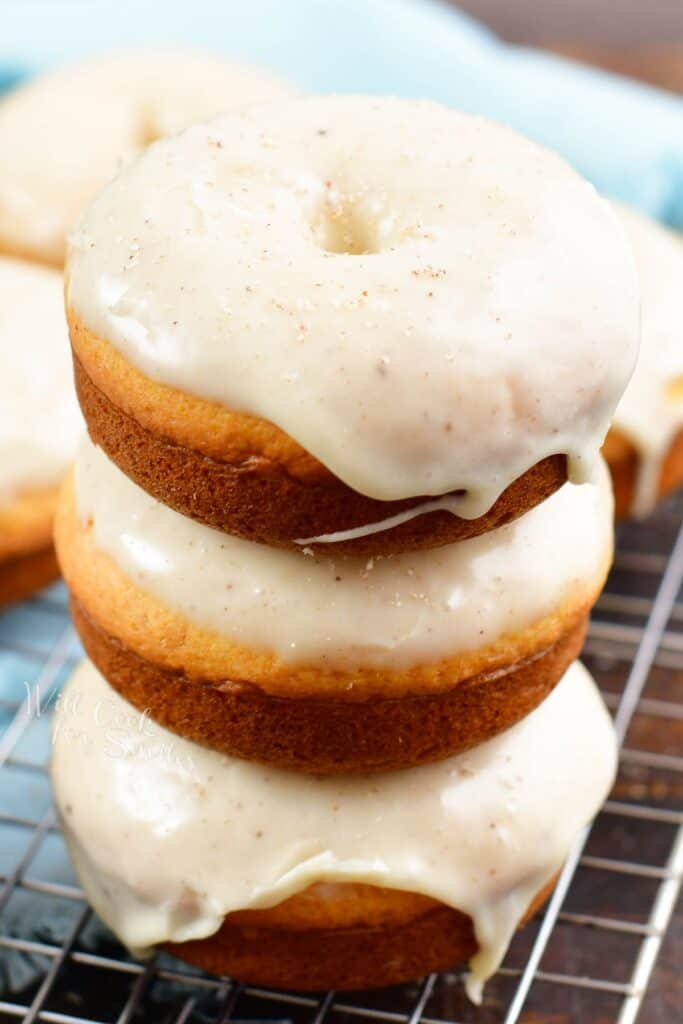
x=606 y=949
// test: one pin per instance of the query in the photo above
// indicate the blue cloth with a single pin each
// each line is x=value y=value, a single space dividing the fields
x=625 y=137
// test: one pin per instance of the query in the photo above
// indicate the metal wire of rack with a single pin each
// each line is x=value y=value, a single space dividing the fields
x=604 y=950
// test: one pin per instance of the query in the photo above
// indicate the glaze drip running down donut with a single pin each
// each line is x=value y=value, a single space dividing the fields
x=207 y=836
x=358 y=234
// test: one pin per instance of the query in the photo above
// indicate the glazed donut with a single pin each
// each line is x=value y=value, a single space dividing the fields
x=65 y=134
x=372 y=325
x=644 y=448
x=39 y=422
x=302 y=882
x=328 y=664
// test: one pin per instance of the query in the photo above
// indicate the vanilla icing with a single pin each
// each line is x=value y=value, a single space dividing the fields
x=39 y=418
x=346 y=610
x=65 y=134
x=449 y=503
x=650 y=413
x=168 y=837
x=424 y=300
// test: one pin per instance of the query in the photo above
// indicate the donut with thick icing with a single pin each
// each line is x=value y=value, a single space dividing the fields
x=328 y=663
x=39 y=422
x=372 y=325
x=310 y=883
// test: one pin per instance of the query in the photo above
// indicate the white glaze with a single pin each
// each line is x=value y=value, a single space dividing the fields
x=167 y=837
x=494 y=321
x=449 y=503
x=39 y=418
x=650 y=414
x=65 y=134
x=349 y=611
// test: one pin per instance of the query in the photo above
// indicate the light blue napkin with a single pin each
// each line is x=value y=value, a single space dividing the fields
x=625 y=137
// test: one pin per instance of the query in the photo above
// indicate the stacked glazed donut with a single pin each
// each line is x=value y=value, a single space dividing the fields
x=346 y=366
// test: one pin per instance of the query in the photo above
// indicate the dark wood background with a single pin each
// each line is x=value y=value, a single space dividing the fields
x=643 y=38
x=615 y=22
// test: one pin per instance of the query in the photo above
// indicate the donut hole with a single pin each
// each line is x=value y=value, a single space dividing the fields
x=349 y=225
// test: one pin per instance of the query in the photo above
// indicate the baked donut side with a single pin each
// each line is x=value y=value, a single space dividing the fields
x=248 y=479
x=328 y=735
x=249 y=947
x=23 y=575
x=26 y=522
x=27 y=557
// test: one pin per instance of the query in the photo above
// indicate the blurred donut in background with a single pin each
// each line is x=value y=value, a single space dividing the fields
x=644 y=448
x=39 y=422
x=64 y=134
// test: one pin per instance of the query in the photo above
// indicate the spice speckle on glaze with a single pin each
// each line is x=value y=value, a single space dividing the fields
x=205 y=834
x=348 y=611
x=423 y=300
